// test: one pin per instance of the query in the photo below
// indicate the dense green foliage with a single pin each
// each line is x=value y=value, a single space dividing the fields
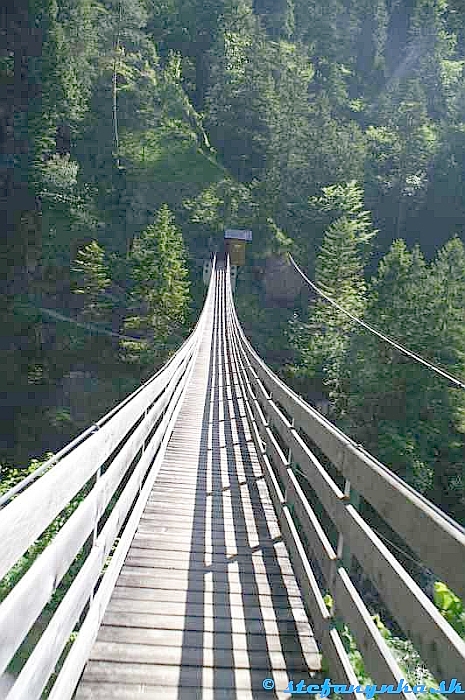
x=323 y=341
x=159 y=295
x=134 y=131
x=414 y=671
x=411 y=418
x=330 y=129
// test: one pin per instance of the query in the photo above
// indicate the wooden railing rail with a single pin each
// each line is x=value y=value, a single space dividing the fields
x=280 y=421
x=115 y=466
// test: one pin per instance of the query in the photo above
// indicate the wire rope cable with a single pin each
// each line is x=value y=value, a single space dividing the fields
x=409 y=353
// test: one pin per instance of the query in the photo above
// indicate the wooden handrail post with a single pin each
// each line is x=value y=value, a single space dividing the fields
x=353 y=497
x=290 y=468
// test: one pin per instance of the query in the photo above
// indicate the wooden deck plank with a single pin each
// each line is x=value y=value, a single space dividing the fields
x=219 y=546
x=137 y=592
x=216 y=561
x=198 y=581
x=232 y=679
x=109 y=691
x=219 y=510
x=208 y=624
x=205 y=610
x=215 y=528
x=206 y=604
x=210 y=657
x=227 y=580
x=256 y=561
x=179 y=539
x=207 y=640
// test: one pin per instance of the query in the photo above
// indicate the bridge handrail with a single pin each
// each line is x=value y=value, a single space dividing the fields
x=6 y=497
x=386 y=493
x=123 y=455
x=439 y=645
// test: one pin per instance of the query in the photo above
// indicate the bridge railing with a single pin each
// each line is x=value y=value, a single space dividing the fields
x=289 y=434
x=107 y=474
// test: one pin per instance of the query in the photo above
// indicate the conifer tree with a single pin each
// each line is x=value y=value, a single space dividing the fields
x=160 y=292
x=93 y=279
x=407 y=416
x=339 y=273
x=241 y=102
x=447 y=410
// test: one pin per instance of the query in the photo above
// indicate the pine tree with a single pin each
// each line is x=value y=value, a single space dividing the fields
x=433 y=47
x=339 y=273
x=160 y=291
x=407 y=416
x=241 y=102
x=447 y=403
x=92 y=280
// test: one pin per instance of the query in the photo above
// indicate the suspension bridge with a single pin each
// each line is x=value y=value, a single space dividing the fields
x=196 y=531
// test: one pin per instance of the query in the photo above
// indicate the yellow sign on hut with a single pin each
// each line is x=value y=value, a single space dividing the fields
x=235 y=245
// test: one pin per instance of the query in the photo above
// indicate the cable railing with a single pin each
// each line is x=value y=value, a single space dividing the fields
x=288 y=435
x=107 y=473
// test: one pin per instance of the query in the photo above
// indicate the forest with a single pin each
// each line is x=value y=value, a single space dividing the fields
x=133 y=132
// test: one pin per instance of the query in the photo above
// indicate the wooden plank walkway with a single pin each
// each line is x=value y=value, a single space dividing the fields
x=206 y=605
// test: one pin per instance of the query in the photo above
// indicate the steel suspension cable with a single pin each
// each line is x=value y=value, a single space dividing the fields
x=405 y=351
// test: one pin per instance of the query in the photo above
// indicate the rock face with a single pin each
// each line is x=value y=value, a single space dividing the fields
x=281 y=282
